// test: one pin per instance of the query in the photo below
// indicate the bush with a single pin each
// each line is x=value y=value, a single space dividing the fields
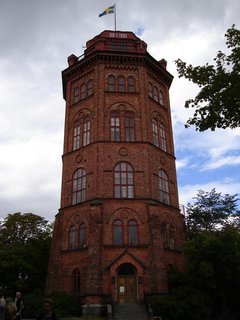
x=64 y=305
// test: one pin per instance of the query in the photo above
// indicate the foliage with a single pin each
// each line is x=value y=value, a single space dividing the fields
x=24 y=250
x=211 y=210
x=64 y=305
x=217 y=105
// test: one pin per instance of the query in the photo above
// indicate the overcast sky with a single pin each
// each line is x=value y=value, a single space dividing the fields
x=36 y=37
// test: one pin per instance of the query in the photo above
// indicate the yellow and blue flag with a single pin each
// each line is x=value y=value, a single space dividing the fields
x=107 y=11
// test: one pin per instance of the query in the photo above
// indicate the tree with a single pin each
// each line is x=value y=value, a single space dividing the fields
x=211 y=210
x=217 y=105
x=24 y=250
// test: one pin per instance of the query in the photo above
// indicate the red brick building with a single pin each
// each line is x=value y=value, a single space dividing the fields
x=119 y=227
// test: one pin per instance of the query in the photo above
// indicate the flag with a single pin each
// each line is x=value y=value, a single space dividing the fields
x=107 y=11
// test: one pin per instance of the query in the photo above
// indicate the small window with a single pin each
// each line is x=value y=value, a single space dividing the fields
x=123 y=180
x=117 y=232
x=76 y=281
x=82 y=235
x=171 y=237
x=111 y=83
x=164 y=235
x=73 y=238
x=150 y=89
x=163 y=187
x=155 y=94
x=76 y=95
x=77 y=135
x=79 y=186
x=129 y=127
x=163 y=144
x=86 y=131
x=121 y=84
x=132 y=233
x=131 y=84
x=161 y=101
x=115 y=126
x=90 y=87
x=83 y=91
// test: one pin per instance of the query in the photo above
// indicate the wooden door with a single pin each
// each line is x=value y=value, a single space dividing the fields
x=127 y=292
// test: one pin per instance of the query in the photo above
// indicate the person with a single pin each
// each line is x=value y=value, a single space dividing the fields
x=19 y=305
x=48 y=312
x=10 y=310
x=2 y=307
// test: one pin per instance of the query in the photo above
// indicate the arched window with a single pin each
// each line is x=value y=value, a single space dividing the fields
x=155 y=132
x=161 y=100
x=163 y=187
x=79 y=186
x=171 y=237
x=121 y=84
x=155 y=94
x=86 y=131
x=132 y=233
x=111 y=83
x=115 y=126
x=76 y=135
x=123 y=180
x=131 y=84
x=73 y=238
x=163 y=144
x=117 y=232
x=76 y=95
x=129 y=127
x=150 y=89
x=83 y=91
x=164 y=235
x=76 y=281
x=90 y=87
x=82 y=235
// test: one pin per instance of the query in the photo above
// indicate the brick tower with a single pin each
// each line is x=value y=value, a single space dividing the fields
x=119 y=227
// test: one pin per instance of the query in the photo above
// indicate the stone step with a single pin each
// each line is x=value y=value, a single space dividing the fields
x=130 y=312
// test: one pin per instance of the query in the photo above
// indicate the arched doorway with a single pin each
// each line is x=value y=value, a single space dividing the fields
x=126 y=284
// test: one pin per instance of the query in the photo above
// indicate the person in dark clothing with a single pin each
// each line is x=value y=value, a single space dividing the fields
x=47 y=312
x=19 y=305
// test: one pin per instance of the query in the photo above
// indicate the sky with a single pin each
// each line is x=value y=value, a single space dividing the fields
x=36 y=37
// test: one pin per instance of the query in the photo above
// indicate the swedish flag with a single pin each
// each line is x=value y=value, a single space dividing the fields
x=107 y=11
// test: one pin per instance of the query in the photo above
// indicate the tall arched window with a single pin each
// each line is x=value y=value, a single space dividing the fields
x=117 y=232
x=86 y=131
x=171 y=237
x=163 y=187
x=129 y=127
x=121 y=84
x=132 y=233
x=76 y=283
x=131 y=84
x=73 y=238
x=76 y=95
x=111 y=83
x=82 y=235
x=150 y=89
x=155 y=94
x=83 y=91
x=164 y=235
x=155 y=132
x=115 y=126
x=79 y=186
x=90 y=87
x=123 y=180
x=163 y=144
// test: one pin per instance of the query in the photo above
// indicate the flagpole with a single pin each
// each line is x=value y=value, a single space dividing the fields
x=115 y=16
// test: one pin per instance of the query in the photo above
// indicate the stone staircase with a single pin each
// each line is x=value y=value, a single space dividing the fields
x=130 y=312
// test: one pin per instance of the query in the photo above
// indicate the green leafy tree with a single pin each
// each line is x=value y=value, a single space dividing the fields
x=217 y=105
x=211 y=210
x=24 y=251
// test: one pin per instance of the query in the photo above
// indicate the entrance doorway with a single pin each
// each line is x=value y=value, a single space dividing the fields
x=126 y=284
